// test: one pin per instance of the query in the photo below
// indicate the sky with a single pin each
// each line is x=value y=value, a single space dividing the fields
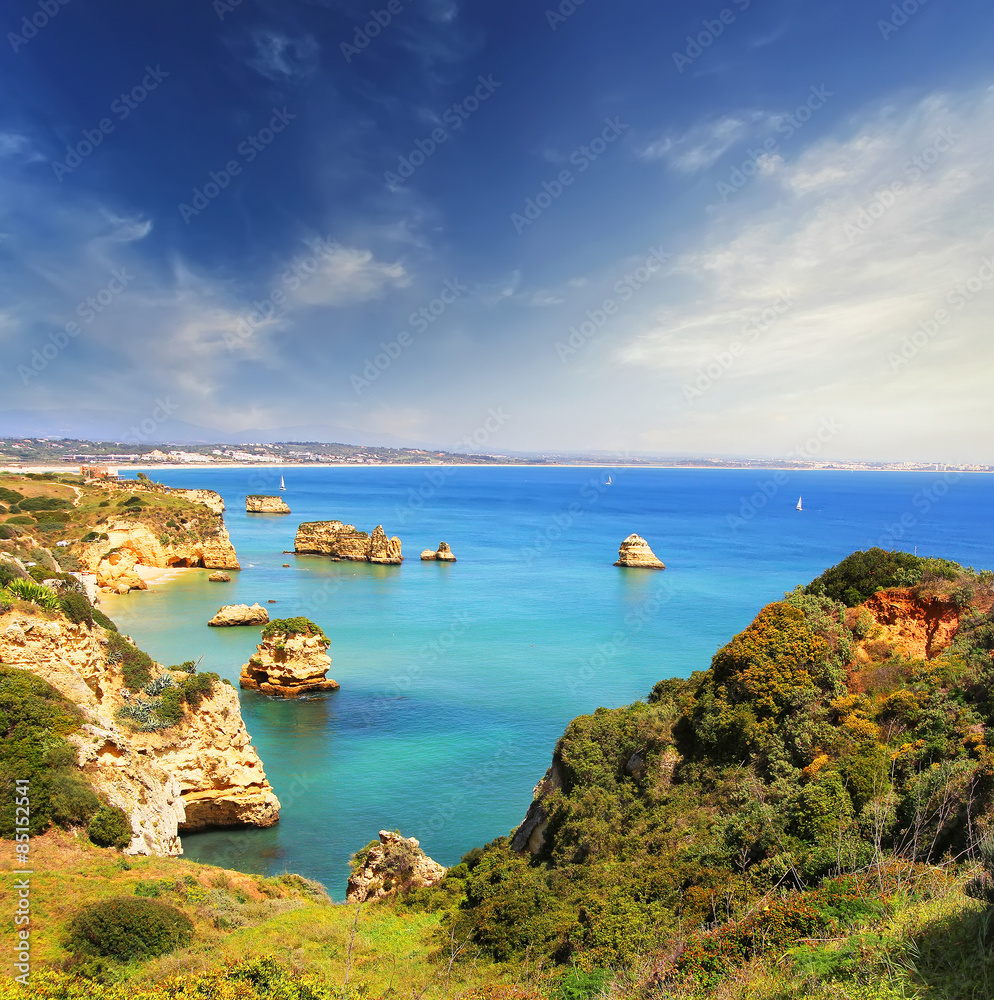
x=675 y=229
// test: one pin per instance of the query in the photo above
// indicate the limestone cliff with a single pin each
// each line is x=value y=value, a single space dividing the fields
x=345 y=541
x=635 y=552
x=392 y=865
x=442 y=554
x=289 y=663
x=213 y=501
x=199 y=773
x=130 y=542
x=266 y=505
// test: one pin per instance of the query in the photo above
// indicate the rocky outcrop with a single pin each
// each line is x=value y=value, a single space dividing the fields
x=917 y=626
x=394 y=864
x=635 y=552
x=289 y=662
x=130 y=543
x=530 y=836
x=202 y=772
x=219 y=577
x=266 y=505
x=214 y=502
x=345 y=541
x=239 y=614
x=442 y=554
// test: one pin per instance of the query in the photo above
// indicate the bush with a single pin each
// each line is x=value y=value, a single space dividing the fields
x=128 y=929
x=9 y=570
x=73 y=801
x=293 y=626
x=44 y=503
x=136 y=665
x=110 y=827
x=77 y=608
x=7 y=531
x=10 y=496
x=102 y=620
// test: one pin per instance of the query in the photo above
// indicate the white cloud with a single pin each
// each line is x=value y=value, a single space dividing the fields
x=348 y=275
x=867 y=235
x=282 y=58
x=703 y=145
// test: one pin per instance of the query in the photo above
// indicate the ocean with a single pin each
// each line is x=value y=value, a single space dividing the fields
x=457 y=680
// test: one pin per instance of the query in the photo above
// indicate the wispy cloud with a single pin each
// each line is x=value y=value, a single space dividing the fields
x=704 y=144
x=282 y=58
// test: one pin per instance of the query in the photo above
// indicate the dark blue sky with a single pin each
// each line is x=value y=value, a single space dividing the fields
x=258 y=213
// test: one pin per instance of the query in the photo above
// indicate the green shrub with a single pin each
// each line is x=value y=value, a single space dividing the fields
x=9 y=570
x=580 y=985
x=110 y=827
x=148 y=890
x=292 y=626
x=7 y=531
x=136 y=665
x=102 y=620
x=128 y=929
x=10 y=496
x=77 y=608
x=73 y=801
x=24 y=519
x=44 y=503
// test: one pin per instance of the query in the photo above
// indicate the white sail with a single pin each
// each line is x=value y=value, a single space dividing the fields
x=799 y=507
x=282 y=484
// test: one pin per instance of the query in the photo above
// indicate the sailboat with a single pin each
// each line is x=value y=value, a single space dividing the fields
x=608 y=483
x=282 y=484
x=799 y=507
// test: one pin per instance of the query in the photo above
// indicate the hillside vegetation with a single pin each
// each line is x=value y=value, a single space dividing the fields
x=810 y=817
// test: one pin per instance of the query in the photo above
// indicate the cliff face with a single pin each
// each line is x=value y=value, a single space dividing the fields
x=345 y=541
x=200 y=773
x=266 y=505
x=918 y=626
x=214 y=502
x=288 y=666
x=130 y=542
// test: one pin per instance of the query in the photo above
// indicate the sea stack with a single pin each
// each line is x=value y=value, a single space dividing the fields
x=442 y=554
x=266 y=505
x=291 y=660
x=391 y=865
x=635 y=553
x=345 y=541
x=239 y=614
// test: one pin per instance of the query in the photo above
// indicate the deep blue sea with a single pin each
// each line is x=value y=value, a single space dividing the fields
x=457 y=680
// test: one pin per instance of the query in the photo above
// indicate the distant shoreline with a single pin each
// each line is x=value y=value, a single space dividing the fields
x=207 y=467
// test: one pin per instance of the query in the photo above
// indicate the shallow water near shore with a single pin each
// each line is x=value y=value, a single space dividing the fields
x=457 y=680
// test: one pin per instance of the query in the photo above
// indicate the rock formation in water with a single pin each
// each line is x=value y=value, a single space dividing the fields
x=201 y=772
x=391 y=865
x=239 y=614
x=442 y=554
x=292 y=660
x=266 y=505
x=344 y=541
x=635 y=552
x=219 y=577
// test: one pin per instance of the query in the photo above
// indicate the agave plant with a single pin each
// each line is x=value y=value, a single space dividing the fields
x=28 y=590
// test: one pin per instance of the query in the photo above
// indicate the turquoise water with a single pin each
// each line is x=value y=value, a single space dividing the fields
x=457 y=680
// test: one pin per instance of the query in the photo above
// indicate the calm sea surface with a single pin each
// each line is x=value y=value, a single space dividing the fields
x=457 y=680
